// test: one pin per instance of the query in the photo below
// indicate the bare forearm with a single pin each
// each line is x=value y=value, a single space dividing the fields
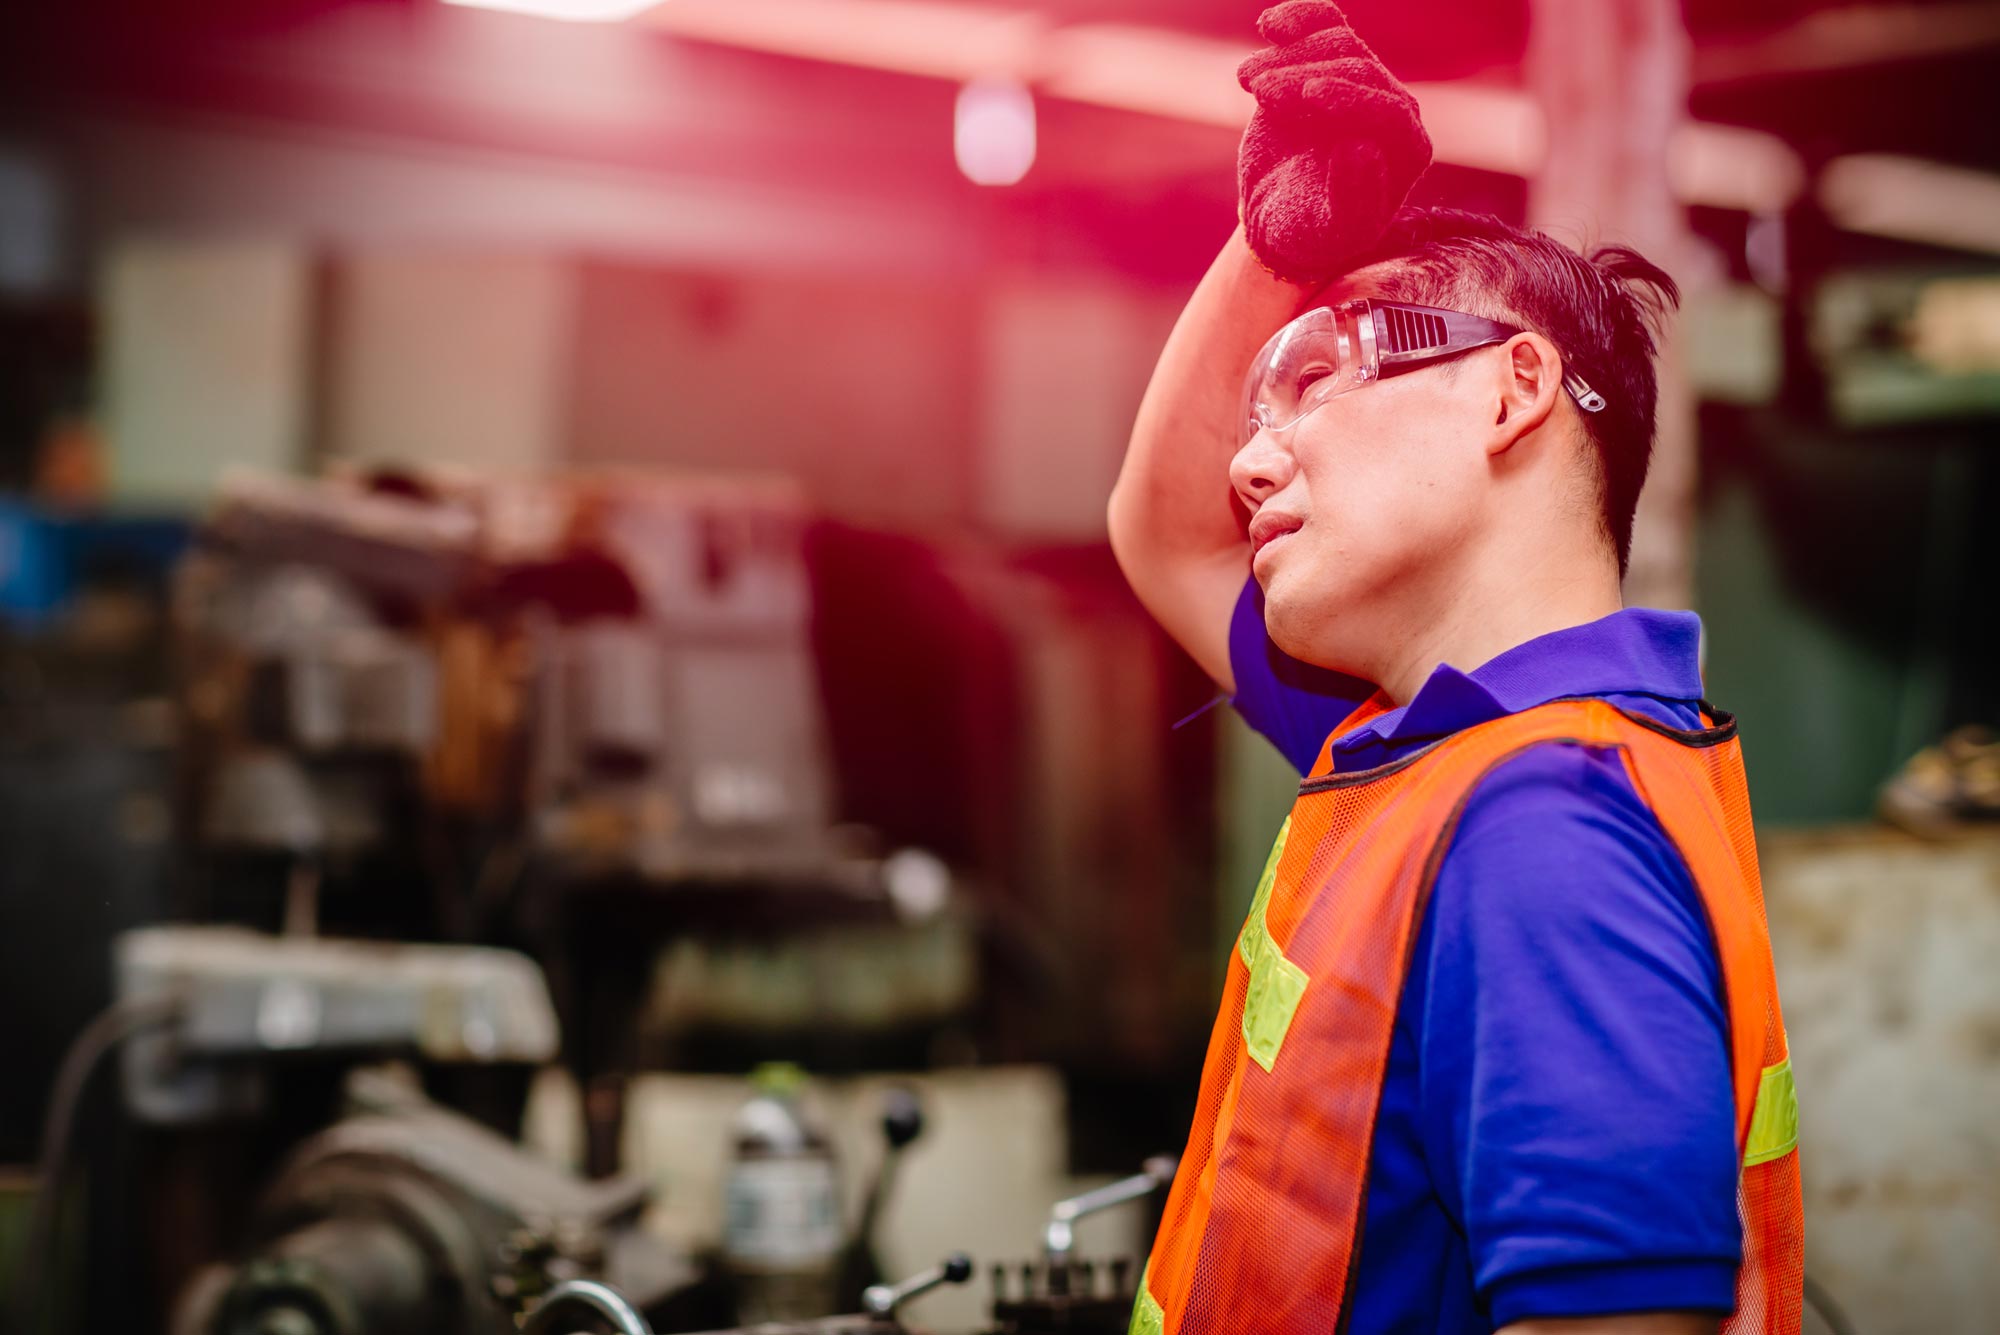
x=1173 y=522
x=1173 y=491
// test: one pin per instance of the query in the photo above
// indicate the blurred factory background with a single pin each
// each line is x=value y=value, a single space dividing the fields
x=602 y=502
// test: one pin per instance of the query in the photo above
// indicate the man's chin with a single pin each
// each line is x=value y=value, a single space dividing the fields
x=1296 y=625
x=1284 y=619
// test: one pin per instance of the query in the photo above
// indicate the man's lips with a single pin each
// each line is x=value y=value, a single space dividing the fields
x=1268 y=528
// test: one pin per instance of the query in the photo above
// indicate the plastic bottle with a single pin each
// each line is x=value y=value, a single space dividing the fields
x=782 y=1235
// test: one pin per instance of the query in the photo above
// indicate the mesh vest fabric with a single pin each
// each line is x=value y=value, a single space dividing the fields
x=1261 y=1228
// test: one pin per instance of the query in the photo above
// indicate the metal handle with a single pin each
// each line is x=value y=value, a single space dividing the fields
x=589 y=1296
x=882 y=1299
x=1059 y=1237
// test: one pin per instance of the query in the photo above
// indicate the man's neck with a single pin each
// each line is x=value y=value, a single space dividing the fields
x=1485 y=616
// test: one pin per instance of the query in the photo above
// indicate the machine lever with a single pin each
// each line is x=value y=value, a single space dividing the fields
x=882 y=1299
x=1059 y=1237
x=580 y=1297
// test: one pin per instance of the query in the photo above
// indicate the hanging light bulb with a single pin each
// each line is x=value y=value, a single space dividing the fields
x=993 y=131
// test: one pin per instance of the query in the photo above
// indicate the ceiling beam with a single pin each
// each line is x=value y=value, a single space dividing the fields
x=1854 y=37
x=1182 y=76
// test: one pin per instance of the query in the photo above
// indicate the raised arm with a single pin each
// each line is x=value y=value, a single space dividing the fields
x=1330 y=152
x=1175 y=525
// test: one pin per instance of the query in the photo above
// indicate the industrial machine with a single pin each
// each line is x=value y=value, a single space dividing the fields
x=1062 y=1292
x=1058 y=1294
x=248 y=1007
x=580 y=714
x=613 y=674
x=421 y=721
x=589 y=1303
x=407 y=1219
x=403 y=1217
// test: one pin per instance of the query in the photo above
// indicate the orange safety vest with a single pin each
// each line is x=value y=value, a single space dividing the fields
x=1262 y=1227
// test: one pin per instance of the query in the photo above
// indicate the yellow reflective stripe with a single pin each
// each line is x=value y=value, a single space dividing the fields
x=1252 y=936
x=1276 y=984
x=1148 y=1317
x=1774 y=1118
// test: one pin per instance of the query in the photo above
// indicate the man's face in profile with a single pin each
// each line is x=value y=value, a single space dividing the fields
x=1359 y=506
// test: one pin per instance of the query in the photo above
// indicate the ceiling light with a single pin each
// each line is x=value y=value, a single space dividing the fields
x=571 y=11
x=993 y=131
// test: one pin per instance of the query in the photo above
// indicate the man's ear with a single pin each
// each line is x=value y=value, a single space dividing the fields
x=1528 y=380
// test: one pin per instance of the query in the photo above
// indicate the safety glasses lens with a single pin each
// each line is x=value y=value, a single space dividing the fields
x=1304 y=364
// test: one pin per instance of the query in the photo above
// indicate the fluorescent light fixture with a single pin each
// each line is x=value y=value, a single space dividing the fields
x=927 y=38
x=1491 y=129
x=1157 y=72
x=1152 y=71
x=1913 y=200
x=570 y=11
x=1726 y=166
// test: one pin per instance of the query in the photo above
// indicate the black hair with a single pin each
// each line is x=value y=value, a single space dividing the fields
x=1602 y=309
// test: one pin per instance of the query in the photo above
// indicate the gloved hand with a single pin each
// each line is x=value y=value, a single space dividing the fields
x=1331 y=151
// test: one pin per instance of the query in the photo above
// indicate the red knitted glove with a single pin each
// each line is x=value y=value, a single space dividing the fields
x=1331 y=151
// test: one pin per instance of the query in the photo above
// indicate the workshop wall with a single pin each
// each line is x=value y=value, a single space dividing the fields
x=863 y=389
x=458 y=359
x=1846 y=598
x=207 y=362
x=1886 y=947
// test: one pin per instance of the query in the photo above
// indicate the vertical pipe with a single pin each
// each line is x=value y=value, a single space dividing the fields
x=1612 y=80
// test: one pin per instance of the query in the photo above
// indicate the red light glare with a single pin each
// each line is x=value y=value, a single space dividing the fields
x=570 y=11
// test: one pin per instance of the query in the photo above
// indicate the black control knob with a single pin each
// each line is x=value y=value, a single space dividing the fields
x=902 y=1116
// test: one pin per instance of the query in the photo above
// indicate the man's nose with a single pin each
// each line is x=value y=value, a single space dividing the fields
x=1261 y=469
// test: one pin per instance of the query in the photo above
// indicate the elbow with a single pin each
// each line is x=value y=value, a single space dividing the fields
x=1124 y=525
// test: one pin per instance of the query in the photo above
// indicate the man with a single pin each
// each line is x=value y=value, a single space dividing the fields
x=1503 y=1005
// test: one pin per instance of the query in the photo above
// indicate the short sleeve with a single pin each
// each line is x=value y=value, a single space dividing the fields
x=1575 y=1097
x=1293 y=704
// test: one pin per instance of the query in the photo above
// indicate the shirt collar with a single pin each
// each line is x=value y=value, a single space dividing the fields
x=1637 y=651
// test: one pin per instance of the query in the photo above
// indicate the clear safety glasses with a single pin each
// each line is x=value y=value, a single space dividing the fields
x=1334 y=349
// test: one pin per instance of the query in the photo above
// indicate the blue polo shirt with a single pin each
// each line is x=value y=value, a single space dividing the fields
x=1556 y=1135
